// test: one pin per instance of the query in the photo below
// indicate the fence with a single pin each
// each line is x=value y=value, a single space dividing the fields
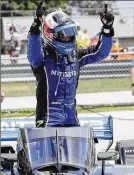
x=105 y=69
x=106 y=76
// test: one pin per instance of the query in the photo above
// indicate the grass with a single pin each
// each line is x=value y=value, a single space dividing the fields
x=104 y=85
x=17 y=113
x=18 y=89
x=84 y=86
x=104 y=109
x=31 y=112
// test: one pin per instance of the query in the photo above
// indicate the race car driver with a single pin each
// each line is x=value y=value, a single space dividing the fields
x=56 y=63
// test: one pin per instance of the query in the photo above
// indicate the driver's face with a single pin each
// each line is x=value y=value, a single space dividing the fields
x=66 y=38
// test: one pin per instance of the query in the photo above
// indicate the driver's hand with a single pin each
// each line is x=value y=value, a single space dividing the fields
x=35 y=27
x=107 y=20
x=40 y=11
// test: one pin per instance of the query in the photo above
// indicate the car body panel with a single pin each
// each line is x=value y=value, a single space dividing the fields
x=85 y=139
x=116 y=170
x=126 y=151
x=72 y=147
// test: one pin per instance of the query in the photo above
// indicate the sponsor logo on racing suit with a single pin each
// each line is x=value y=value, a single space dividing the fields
x=64 y=74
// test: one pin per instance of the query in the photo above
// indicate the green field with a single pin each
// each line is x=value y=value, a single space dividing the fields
x=31 y=112
x=84 y=86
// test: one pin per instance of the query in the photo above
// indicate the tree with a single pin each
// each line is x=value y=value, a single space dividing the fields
x=29 y=5
x=83 y=7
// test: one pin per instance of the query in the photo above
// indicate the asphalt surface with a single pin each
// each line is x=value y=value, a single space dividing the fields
x=88 y=99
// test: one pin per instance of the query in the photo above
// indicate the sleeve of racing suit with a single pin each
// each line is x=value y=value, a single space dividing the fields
x=92 y=54
x=34 y=47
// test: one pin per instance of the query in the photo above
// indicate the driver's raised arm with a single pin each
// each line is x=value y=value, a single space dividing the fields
x=92 y=54
x=35 y=51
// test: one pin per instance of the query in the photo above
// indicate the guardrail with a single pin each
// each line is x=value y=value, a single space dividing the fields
x=21 y=72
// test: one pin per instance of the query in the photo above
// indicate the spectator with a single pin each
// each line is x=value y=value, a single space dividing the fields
x=2 y=95
x=82 y=39
x=15 y=44
x=86 y=36
x=132 y=76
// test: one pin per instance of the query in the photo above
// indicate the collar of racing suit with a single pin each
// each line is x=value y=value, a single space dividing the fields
x=57 y=56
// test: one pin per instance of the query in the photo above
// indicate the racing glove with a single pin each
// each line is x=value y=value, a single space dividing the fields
x=107 y=20
x=35 y=27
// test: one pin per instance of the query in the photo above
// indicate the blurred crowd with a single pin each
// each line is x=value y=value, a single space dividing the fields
x=82 y=39
x=2 y=95
x=15 y=44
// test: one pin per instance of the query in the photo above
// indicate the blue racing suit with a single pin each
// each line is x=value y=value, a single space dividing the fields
x=57 y=78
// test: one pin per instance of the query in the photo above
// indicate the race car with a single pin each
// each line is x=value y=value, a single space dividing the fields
x=63 y=150
x=60 y=151
x=126 y=152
